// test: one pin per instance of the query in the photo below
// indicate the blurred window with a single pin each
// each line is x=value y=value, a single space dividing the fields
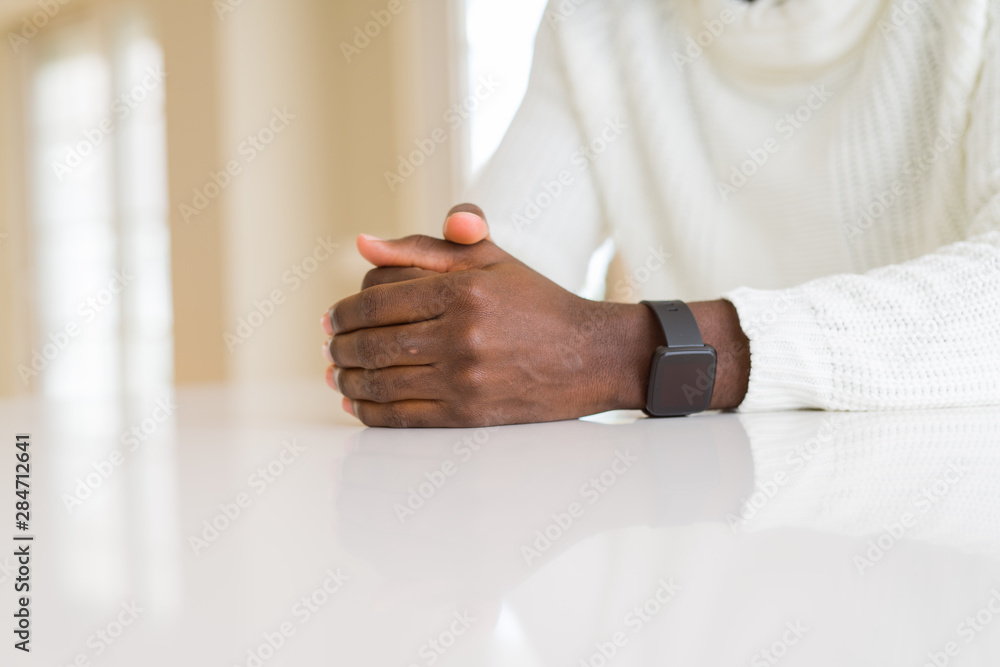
x=500 y=37
x=99 y=210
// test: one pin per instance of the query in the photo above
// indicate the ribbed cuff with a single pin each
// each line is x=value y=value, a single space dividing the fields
x=791 y=360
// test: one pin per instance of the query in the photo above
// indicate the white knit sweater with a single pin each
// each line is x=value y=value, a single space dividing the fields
x=831 y=167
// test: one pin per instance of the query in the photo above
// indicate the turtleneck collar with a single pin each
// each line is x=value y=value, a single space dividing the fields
x=785 y=41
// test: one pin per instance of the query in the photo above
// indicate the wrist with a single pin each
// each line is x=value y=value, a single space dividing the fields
x=632 y=336
x=720 y=327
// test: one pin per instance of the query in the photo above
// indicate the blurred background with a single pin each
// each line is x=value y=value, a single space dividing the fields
x=181 y=181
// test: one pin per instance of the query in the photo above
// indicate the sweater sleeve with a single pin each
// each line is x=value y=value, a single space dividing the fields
x=921 y=334
x=542 y=208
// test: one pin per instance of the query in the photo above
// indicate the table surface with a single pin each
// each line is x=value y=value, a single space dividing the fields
x=260 y=526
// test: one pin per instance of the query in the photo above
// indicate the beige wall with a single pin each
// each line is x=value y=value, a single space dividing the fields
x=8 y=323
x=322 y=176
x=17 y=328
x=190 y=47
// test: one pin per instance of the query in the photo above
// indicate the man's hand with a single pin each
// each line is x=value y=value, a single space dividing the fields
x=446 y=334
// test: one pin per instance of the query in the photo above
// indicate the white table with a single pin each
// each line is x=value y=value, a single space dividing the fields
x=873 y=539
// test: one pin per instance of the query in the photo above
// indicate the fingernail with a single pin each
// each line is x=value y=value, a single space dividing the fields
x=326 y=324
x=348 y=406
x=471 y=209
x=326 y=350
x=331 y=380
x=466 y=213
x=369 y=237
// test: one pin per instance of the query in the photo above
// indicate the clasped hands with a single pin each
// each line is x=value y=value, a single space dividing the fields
x=458 y=333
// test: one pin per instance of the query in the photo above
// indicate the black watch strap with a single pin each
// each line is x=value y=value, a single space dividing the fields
x=678 y=322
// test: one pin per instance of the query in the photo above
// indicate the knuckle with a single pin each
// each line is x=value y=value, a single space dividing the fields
x=368 y=350
x=468 y=380
x=336 y=351
x=406 y=342
x=394 y=417
x=374 y=386
x=342 y=378
x=422 y=242
x=472 y=341
x=472 y=290
x=462 y=414
x=371 y=303
x=371 y=278
x=362 y=414
x=432 y=299
x=444 y=291
x=347 y=384
x=476 y=293
x=492 y=415
x=337 y=317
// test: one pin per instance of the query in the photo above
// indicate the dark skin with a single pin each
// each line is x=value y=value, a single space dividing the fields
x=457 y=333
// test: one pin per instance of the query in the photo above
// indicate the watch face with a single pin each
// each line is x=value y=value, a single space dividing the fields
x=681 y=381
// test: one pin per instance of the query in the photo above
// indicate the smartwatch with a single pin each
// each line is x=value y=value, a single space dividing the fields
x=682 y=373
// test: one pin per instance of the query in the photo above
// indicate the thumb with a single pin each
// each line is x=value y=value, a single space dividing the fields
x=466 y=224
x=428 y=253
